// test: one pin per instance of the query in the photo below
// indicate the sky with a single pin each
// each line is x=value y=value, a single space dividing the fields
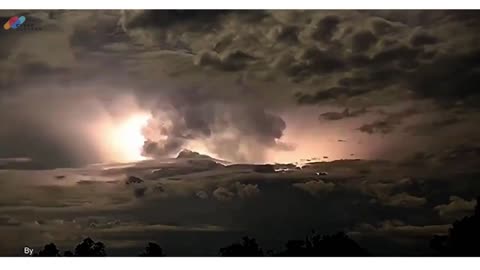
x=385 y=101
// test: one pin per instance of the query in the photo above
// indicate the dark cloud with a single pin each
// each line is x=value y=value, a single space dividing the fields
x=139 y=192
x=162 y=19
x=332 y=116
x=422 y=38
x=8 y=221
x=363 y=40
x=405 y=200
x=315 y=186
x=228 y=61
x=325 y=28
x=380 y=126
x=246 y=190
x=285 y=34
x=311 y=61
x=428 y=127
x=223 y=194
x=398 y=231
x=389 y=122
x=44 y=150
x=381 y=26
x=448 y=78
x=456 y=208
x=328 y=94
x=16 y=162
x=395 y=55
x=202 y=194
x=156 y=149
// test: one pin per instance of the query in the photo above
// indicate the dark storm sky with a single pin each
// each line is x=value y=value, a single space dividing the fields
x=252 y=86
x=290 y=82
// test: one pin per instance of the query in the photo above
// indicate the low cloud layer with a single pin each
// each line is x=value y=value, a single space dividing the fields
x=125 y=207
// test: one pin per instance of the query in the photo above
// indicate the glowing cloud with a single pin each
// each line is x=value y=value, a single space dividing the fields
x=127 y=138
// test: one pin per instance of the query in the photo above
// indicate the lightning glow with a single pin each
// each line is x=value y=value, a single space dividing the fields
x=127 y=137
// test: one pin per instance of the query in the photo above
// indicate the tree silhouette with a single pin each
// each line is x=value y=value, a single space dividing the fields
x=50 y=250
x=152 y=250
x=247 y=248
x=295 y=248
x=338 y=244
x=90 y=248
x=463 y=238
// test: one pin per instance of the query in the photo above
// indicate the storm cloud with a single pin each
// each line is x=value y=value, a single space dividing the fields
x=396 y=90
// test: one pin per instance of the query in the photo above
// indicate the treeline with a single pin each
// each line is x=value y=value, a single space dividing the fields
x=90 y=248
x=313 y=245
x=463 y=239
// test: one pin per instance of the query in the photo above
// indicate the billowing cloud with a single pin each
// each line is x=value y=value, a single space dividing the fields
x=223 y=194
x=333 y=116
x=315 y=186
x=405 y=200
x=246 y=190
x=457 y=207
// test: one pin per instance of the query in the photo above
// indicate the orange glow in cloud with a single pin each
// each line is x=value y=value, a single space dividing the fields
x=118 y=133
x=127 y=139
